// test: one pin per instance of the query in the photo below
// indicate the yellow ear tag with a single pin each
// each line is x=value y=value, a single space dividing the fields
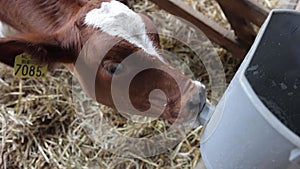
x=27 y=68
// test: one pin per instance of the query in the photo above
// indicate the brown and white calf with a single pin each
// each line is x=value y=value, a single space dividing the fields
x=55 y=31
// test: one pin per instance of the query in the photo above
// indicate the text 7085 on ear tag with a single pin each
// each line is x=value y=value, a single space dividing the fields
x=27 y=68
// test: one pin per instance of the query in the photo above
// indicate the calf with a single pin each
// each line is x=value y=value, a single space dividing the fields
x=56 y=31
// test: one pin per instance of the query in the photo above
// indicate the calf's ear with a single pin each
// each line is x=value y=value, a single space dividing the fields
x=42 y=48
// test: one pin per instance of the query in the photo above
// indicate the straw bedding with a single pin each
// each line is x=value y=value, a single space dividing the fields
x=40 y=126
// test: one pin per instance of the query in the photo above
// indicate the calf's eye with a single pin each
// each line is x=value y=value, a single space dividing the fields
x=113 y=68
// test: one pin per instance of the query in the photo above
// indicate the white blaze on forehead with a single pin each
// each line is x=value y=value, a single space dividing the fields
x=118 y=20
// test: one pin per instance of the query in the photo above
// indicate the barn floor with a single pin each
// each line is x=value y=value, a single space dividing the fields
x=41 y=127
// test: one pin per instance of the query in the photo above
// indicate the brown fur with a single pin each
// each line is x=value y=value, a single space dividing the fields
x=52 y=31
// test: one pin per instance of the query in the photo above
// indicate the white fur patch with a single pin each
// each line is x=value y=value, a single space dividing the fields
x=6 y=30
x=118 y=20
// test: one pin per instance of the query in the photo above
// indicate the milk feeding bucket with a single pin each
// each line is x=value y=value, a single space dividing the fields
x=257 y=122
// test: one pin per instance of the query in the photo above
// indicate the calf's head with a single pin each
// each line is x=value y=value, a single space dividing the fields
x=114 y=53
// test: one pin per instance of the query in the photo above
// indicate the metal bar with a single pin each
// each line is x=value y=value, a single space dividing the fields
x=213 y=30
x=240 y=24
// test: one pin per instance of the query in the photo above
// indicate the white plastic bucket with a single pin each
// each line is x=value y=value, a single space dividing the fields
x=246 y=130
